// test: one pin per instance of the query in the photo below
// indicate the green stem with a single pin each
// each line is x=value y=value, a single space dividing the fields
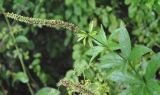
x=119 y=55
x=18 y=52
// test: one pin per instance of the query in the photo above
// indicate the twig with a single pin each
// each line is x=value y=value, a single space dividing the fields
x=18 y=52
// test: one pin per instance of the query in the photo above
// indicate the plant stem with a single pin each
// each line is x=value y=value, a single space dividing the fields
x=120 y=56
x=18 y=52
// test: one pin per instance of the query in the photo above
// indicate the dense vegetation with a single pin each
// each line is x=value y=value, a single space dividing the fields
x=79 y=47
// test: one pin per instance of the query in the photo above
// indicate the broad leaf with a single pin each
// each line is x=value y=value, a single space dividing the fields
x=95 y=51
x=22 y=39
x=113 y=41
x=48 y=91
x=110 y=60
x=124 y=41
x=153 y=66
x=121 y=77
x=20 y=76
x=81 y=67
x=112 y=45
x=101 y=37
x=121 y=40
x=139 y=89
x=153 y=86
x=137 y=52
x=71 y=76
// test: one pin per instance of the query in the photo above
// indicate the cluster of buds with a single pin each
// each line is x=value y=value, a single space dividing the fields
x=77 y=87
x=44 y=22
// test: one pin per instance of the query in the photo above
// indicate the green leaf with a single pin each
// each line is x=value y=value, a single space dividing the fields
x=77 y=10
x=127 y=2
x=84 y=41
x=21 y=2
x=47 y=91
x=124 y=41
x=68 y=2
x=34 y=63
x=153 y=86
x=139 y=89
x=37 y=55
x=137 y=52
x=22 y=39
x=101 y=37
x=125 y=92
x=153 y=66
x=71 y=76
x=105 y=20
x=132 y=11
x=82 y=34
x=110 y=60
x=20 y=76
x=68 y=14
x=81 y=67
x=112 y=45
x=150 y=3
x=89 y=74
x=121 y=77
x=92 y=4
x=91 y=26
x=113 y=41
x=94 y=51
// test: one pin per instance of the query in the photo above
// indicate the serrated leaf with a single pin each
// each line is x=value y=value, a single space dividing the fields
x=137 y=52
x=113 y=41
x=94 y=52
x=139 y=89
x=112 y=45
x=80 y=67
x=153 y=66
x=71 y=76
x=124 y=41
x=101 y=37
x=22 y=39
x=121 y=77
x=153 y=86
x=47 y=91
x=89 y=74
x=110 y=60
x=20 y=76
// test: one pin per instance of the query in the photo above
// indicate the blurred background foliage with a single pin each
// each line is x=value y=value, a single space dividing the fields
x=48 y=53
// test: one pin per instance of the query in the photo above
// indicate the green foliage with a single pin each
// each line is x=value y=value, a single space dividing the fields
x=20 y=76
x=107 y=59
x=35 y=66
x=120 y=68
x=48 y=91
x=145 y=15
